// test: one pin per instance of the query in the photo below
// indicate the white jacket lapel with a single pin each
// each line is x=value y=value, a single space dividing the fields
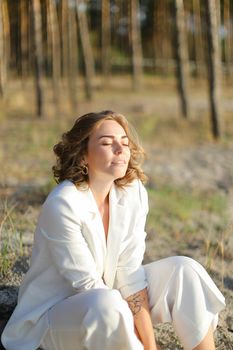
x=93 y=230
x=117 y=225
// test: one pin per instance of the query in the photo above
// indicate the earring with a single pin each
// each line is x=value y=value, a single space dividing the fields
x=84 y=170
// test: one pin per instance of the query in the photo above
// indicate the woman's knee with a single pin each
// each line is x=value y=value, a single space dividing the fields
x=107 y=301
x=108 y=308
x=185 y=263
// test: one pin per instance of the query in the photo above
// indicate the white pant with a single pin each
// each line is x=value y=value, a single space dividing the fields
x=179 y=289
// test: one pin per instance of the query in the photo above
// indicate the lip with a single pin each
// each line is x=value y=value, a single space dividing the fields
x=119 y=162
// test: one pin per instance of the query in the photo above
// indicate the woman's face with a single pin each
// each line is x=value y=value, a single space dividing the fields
x=108 y=152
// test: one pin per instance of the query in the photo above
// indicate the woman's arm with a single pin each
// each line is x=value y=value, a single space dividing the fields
x=60 y=225
x=138 y=304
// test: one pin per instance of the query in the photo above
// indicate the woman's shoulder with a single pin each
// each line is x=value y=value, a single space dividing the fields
x=136 y=192
x=136 y=186
x=64 y=192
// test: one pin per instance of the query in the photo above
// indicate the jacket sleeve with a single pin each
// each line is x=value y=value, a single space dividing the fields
x=130 y=275
x=70 y=253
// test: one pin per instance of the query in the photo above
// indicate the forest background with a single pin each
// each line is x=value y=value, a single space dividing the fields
x=167 y=65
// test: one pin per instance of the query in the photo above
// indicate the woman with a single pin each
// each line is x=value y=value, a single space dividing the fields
x=86 y=287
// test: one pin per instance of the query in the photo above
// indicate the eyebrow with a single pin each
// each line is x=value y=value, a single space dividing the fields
x=112 y=136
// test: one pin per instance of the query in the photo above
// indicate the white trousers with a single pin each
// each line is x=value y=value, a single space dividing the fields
x=179 y=289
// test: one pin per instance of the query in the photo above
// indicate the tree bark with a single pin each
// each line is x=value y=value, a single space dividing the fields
x=182 y=59
x=166 y=40
x=227 y=39
x=136 y=46
x=198 y=42
x=38 y=55
x=106 y=41
x=162 y=47
x=64 y=36
x=2 y=54
x=24 y=12
x=4 y=45
x=115 y=22
x=56 y=51
x=72 y=58
x=86 y=46
x=214 y=67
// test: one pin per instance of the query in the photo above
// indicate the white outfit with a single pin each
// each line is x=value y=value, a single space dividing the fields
x=72 y=297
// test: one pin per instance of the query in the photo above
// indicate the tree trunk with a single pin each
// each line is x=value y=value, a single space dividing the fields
x=2 y=54
x=227 y=39
x=64 y=36
x=218 y=12
x=158 y=36
x=56 y=51
x=136 y=46
x=24 y=11
x=198 y=42
x=106 y=41
x=214 y=68
x=86 y=46
x=166 y=40
x=4 y=44
x=115 y=23
x=161 y=37
x=182 y=59
x=72 y=58
x=154 y=36
x=38 y=55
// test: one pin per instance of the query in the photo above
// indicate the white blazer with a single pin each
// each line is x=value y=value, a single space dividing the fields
x=71 y=255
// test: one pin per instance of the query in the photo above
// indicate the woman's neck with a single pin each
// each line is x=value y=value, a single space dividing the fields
x=100 y=192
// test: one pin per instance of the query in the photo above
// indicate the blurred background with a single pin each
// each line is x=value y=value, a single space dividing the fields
x=167 y=65
x=61 y=51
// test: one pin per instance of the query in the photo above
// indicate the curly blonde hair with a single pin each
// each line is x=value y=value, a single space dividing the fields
x=70 y=151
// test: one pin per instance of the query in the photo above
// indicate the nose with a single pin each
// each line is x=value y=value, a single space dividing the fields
x=118 y=148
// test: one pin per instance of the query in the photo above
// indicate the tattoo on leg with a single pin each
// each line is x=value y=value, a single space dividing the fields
x=135 y=302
